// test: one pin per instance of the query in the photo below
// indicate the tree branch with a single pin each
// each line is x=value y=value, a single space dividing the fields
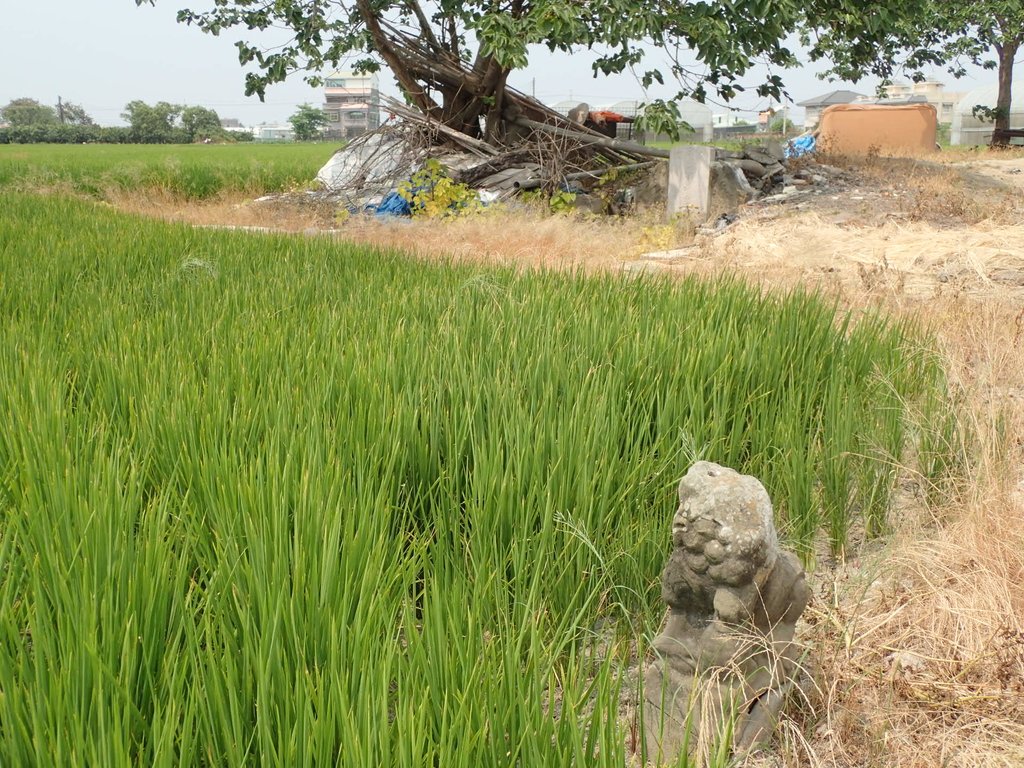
x=393 y=60
x=427 y=32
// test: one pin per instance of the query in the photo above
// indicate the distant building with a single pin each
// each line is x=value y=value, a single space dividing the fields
x=814 y=106
x=729 y=124
x=233 y=125
x=764 y=119
x=930 y=91
x=271 y=132
x=351 y=104
x=729 y=119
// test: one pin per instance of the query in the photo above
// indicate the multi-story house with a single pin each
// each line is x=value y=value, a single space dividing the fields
x=930 y=91
x=351 y=104
x=814 y=107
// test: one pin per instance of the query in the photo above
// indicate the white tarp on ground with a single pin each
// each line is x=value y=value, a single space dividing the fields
x=370 y=164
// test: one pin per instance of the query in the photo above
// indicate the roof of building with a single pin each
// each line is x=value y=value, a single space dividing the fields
x=987 y=96
x=913 y=98
x=830 y=98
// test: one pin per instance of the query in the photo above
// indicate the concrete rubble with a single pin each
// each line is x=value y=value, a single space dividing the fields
x=709 y=184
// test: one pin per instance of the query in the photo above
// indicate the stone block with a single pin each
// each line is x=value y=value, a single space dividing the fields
x=689 y=181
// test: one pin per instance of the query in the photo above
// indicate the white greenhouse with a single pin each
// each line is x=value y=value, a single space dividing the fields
x=967 y=130
x=695 y=114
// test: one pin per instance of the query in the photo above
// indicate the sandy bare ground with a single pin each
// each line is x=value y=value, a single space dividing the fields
x=910 y=229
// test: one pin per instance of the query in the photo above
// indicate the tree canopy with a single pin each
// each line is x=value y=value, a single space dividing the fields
x=308 y=122
x=200 y=123
x=24 y=112
x=69 y=113
x=452 y=58
x=861 y=39
x=152 y=123
x=488 y=39
x=170 y=123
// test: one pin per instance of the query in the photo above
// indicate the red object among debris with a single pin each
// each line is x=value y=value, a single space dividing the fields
x=605 y=116
x=607 y=122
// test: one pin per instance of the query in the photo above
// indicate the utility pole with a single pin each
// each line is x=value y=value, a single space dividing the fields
x=60 y=110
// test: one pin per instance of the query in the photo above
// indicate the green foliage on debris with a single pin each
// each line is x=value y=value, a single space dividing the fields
x=272 y=500
x=433 y=194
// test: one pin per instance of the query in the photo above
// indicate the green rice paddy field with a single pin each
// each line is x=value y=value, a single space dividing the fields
x=273 y=500
x=193 y=171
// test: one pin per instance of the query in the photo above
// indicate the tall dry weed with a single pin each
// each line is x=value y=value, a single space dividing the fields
x=920 y=648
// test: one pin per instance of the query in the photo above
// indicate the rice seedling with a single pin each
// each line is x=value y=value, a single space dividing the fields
x=275 y=500
x=189 y=172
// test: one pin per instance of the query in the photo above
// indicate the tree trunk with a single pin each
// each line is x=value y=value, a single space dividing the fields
x=394 y=60
x=1007 y=52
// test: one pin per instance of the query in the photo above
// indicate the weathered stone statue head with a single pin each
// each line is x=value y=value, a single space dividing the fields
x=734 y=598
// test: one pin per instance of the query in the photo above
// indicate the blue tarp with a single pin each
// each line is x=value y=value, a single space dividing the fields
x=801 y=145
x=393 y=204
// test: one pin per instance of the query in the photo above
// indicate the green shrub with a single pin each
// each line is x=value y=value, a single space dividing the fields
x=432 y=193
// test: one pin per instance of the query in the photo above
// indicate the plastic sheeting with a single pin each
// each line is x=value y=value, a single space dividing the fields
x=393 y=204
x=801 y=145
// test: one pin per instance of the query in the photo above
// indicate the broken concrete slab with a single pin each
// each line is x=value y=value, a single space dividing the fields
x=751 y=167
x=763 y=156
x=775 y=149
x=729 y=189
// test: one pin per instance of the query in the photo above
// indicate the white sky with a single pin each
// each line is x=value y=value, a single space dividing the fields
x=102 y=54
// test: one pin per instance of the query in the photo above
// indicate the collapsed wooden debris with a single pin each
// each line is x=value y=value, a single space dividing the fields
x=542 y=150
x=546 y=151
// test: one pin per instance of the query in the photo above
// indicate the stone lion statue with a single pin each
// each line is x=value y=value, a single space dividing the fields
x=734 y=598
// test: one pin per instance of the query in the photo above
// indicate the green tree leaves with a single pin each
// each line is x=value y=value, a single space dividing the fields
x=200 y=123
x=308 y=122
x=152 y=124
x=452 y=59
x=165 y=123
x=24 y=112
x=73 y=114
x=881 y=39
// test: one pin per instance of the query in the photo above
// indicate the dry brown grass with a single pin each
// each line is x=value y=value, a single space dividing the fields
x=919 y=645
x=520 y=238
x=229 y=210
x=894 y=259
x=947 y=188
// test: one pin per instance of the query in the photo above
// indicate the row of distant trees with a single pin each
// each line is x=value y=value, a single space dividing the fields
x=28 y=122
